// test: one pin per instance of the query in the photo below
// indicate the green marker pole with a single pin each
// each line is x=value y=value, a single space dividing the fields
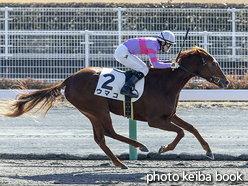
x=133 y=135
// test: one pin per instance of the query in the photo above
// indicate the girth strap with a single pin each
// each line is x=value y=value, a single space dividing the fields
x=128 y=107
x=127 y=103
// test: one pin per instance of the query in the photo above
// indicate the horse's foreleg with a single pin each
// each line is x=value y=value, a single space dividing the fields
x=178 y=121
x=169 y=126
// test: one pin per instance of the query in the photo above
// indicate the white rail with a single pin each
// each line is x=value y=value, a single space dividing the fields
x=35 y=42
x=186 y=95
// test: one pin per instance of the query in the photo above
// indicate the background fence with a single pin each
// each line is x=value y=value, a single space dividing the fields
x=52 y=43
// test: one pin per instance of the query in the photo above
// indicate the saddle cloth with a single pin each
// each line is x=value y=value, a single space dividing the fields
x=110 y=83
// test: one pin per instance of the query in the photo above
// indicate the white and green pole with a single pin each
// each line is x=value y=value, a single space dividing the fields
x=133 y=135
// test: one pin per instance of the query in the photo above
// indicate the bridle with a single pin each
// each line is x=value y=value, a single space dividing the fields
x=213 y=78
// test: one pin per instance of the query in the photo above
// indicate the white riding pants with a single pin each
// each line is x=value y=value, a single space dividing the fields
x=129 y=60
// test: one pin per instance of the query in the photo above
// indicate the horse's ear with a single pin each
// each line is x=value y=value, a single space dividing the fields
x=149 y=66
x=179 y=59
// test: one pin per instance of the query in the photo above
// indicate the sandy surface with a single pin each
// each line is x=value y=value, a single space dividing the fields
x=71 y=133
x=55 y=135
x=72 y=172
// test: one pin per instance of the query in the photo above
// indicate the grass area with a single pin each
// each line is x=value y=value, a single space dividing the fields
x=235 y=83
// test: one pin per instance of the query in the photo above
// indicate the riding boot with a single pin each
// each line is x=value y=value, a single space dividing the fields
x=128 y=86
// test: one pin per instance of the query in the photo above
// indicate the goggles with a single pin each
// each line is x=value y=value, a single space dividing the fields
x=167 y=44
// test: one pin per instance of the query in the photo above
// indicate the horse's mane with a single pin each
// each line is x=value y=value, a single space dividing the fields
x=186 y=53
x=192 y=51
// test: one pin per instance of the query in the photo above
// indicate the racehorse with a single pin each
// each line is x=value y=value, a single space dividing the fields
x=157 y=105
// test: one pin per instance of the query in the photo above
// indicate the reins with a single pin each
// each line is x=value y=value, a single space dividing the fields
x=213 y=78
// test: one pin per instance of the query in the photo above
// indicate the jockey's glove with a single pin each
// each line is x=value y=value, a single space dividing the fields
x=175 y=65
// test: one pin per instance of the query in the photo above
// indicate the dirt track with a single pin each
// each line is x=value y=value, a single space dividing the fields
x=74 y=172
x=102 y=172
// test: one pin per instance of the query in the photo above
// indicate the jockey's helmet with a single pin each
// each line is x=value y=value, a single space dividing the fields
x=167 y=37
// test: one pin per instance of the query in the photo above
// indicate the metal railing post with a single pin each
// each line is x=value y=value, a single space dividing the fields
x=6 y=20
x=87 y=34
x=205 y=43
x=6 y=32
x=119 y=19
x=233 y=20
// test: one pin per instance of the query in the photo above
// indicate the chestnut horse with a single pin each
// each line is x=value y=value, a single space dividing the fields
x=157 y=105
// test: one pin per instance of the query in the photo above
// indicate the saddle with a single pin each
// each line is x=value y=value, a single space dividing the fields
x=127 y=104
x=110 y=83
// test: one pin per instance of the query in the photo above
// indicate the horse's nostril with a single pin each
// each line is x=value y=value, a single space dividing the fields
x=227 y=82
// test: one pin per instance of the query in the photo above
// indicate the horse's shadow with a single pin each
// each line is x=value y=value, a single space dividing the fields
x=84 y=178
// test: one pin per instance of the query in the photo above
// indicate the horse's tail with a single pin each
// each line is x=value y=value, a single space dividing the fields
x=42 y=100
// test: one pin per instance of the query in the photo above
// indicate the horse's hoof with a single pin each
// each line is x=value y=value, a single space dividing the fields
x=124 y=167
x=162 y=149
x=144 y=149
x=210 y=155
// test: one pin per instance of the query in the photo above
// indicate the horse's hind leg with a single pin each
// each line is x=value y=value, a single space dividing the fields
x=165 y=124
x=110 y=132
x=178 y=121
x=100 y=140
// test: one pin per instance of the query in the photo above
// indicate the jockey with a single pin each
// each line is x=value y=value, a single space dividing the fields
x=126 y=52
